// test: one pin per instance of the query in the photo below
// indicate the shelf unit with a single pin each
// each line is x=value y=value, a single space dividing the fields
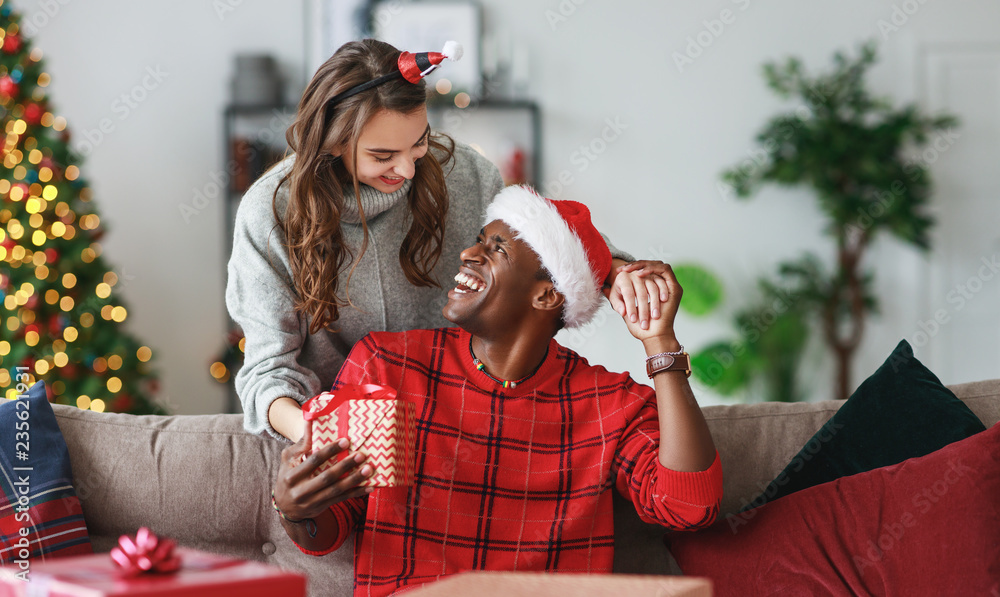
x=253 y=140
x=495 y=127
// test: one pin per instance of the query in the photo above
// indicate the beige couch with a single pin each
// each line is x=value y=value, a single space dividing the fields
x=204 y=482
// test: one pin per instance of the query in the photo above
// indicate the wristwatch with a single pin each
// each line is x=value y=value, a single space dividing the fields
x=668 y=362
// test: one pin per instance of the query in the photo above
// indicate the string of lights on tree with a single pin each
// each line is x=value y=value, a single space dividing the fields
x=62 y=321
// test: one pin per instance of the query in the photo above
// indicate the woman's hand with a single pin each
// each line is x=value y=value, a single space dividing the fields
x=639 y=292
x=300 y=494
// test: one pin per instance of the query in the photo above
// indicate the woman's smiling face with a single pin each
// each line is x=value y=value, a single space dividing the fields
x=388 y=148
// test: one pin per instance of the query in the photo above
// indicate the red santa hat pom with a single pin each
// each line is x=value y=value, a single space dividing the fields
x=567 y=243
x=417 y=66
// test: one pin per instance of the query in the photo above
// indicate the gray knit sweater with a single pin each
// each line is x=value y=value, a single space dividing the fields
x=281 y=357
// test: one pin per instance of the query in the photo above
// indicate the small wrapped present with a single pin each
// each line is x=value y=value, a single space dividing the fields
x=378 y=424
x=152 y=567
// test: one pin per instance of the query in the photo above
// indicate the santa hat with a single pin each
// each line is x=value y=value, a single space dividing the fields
x=412 y=67
x=567 y=243
x=417 y=66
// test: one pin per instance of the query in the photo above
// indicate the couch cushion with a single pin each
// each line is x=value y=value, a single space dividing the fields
x=927 y=526
x=199 y=479
x=983 y=397
x=901 y=411
x=39 y=498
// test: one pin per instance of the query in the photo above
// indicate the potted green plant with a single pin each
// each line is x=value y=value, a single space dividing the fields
x=851 y=148
x=771 y=335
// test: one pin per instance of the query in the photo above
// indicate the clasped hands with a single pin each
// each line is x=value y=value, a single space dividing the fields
x=647 y=295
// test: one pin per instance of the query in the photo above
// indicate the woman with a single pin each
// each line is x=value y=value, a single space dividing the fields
x=347 y=235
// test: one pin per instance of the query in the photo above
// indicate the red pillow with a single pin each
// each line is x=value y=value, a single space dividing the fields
x=925 y=526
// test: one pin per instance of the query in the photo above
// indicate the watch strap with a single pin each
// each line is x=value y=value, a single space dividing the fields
x=669 y=362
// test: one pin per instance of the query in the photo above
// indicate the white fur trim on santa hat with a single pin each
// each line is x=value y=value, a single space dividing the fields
x=538 y=223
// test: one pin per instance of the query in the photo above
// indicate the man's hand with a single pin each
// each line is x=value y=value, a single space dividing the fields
x=300 y=494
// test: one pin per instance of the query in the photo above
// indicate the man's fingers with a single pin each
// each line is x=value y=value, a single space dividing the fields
x=340 y=490
x=308 y=466
x=312 y=488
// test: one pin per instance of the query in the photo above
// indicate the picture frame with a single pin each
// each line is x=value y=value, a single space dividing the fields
x=330 y=24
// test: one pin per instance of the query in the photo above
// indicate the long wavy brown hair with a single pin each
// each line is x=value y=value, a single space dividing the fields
x=312 y=220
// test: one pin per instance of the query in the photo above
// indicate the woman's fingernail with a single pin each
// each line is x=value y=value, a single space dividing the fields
x=343 y=442
x=656 y=314
x=644 y=325
x=366 y=470
x=359 y=457
x=633 y=318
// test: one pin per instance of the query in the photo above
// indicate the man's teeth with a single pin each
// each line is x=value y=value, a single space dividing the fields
x=470 y=282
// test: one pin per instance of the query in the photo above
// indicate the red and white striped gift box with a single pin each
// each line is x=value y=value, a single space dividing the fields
x=378 y=424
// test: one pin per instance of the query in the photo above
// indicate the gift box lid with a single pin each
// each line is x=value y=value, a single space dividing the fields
x=201 y=573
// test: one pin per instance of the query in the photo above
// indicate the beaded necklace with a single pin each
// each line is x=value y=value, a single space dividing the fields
x=504 y=382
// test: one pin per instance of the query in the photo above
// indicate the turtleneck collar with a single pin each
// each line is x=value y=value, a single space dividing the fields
x=373 y=201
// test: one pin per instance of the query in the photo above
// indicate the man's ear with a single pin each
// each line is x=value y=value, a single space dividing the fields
x=546 y=298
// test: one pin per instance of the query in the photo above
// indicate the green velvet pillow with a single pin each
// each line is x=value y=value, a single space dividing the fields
x=902 y=411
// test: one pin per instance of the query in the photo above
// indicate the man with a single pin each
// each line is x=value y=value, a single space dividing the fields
x=519 y=440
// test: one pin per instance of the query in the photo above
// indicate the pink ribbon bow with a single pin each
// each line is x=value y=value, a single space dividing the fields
x=147 y=553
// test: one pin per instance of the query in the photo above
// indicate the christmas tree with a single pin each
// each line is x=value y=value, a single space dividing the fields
x=62 y=321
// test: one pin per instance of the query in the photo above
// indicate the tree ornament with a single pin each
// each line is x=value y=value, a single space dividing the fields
x=8 y=88
x=12 y=44
x=55 y=325
x=49 y=163
x=33 y=114
x=122 y=403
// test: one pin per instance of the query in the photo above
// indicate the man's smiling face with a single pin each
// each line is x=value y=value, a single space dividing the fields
x=496 y=282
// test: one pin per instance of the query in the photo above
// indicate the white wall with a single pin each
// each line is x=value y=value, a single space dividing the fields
x=653 y=189
x=159 y=153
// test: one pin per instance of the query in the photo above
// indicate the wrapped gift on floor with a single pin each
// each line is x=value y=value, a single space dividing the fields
x=159 y=571
x=378 y=424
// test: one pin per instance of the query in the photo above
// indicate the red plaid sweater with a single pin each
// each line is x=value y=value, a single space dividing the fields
x=510 y=479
